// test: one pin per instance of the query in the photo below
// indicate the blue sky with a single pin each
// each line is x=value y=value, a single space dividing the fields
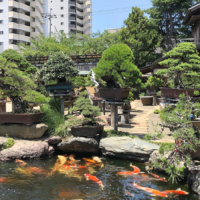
x=111 y=13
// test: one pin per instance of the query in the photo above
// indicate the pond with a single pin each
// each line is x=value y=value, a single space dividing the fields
x=72 y=184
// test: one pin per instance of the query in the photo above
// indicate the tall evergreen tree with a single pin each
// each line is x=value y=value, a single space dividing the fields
x=141 y=35
x=169 y=15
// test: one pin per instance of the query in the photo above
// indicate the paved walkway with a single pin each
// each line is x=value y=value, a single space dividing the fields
x=143 y=121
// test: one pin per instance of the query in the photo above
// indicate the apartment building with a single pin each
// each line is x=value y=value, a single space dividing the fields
x=21 y=20
x=69 y=16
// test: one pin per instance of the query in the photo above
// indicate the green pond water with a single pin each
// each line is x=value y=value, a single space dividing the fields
x=73 y=184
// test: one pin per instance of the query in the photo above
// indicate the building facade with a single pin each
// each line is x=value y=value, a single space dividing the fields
x=21 y=20
x=68 y=16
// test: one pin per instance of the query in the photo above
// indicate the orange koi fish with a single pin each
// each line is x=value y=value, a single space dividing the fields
x=95 y=179
x=152 y=191
x=22 y=163
x=3 y=180
x=177 y=192
x=35 y=170
x=136 y=169
x=128 y=193
x=126 y=173
x=158 y=177
x=89 y=160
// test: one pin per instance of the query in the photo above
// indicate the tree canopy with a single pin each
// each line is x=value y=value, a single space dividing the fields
x=116 y=65
x=17 y=86
x=169 y=15
x=184 y=66
x=141 y=35
x=58 y=67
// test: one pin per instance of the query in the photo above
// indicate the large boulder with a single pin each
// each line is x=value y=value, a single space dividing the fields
x=2 y=140
x=23 y=131
x=193 y=179
x=54 y=140
x=80 y=145
x=127 y=148
x=25 y=149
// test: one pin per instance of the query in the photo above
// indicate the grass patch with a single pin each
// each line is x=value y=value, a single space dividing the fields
x=112 y=133
x=156 y=136
x=164 y=147
x=156 y=111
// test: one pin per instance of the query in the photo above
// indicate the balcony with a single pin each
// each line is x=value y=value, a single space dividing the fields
x=87 y=18
x=13 y=46
x=79 y=14
x=13 y=36
x=72 y=18
x=79 y=21
x=88 y=32
x=72 y=10
x=72 y=3
x=38 y=26
x=38 y=16
x=19 y=5
x=41 y=2
x=86 y=11
x=79 y=1
x=19 y=15
x=19 y=26
x=37 y=5
x=86 y=26
x=79 y=6
x=88 y=3
x=78 y=28
x=35 y=34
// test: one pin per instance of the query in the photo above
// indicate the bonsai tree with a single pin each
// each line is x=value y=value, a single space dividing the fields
x=184 y=66
x=80 y=82
x=59 y=67
x=15 y=57
x=16 y=85
x=185 y=134
x=153 y=82
x=85 y=108
x=116 y=68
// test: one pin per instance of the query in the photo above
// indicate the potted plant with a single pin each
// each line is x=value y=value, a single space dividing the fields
x=86 y=126
x=146 y=100
x=183 y=72
x=16 y=84
x=58 y=69
x=116 y=74
x=152 y=84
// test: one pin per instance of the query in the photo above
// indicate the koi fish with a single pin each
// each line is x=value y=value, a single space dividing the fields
x=71 y=157
x=62 y=159
x=95 y=179
x=126 y=173
x=177 y=192
x=22 y=163
x=136 y=169
x=158 y=177
x=3 y=180
x=35 y=170
x=96 y=159
x=89 y=160
x=150 y=190
x=128 y=193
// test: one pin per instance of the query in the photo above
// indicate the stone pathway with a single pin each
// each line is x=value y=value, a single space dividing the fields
x=143 y=121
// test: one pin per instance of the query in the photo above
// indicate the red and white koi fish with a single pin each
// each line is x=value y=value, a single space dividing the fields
x=150 y=190
x=158 y=177
x=136 y=169
x=128 y=193
x=177 y=192
x=3 y=180
x=95 y=179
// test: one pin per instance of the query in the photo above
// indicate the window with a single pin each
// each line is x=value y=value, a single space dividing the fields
x=61 y=8
x=1 y=32
x=62 y=15
x=1 y=43
x=1 y=21
x=1 y=11
x=62 y=23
